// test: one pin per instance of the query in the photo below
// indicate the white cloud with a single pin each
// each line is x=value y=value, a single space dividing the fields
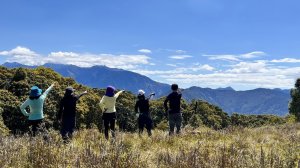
x=242 y=75
x=235 y=58
x=172 y=65
x=286 y=60
x=180 y=51
x=180 y=57
x=19 y=51
x=177 y=70
x=145 y=51
x=26 y=56
x=206 y=67
x=88 y=60
x=22 y=55
x=253 y=54
x=222 y=57
x=248 y=67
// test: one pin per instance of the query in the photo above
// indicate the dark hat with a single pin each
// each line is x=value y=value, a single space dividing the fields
x=110 y=91
x=174 y=87
x=35 y=91
x=69 y=91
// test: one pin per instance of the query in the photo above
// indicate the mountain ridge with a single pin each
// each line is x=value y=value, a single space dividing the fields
x=256 y=101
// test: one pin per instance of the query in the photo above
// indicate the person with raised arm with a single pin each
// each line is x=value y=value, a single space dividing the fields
x=67 y=113
x=36 y=104
x=173 y=111
x=108 y=107
x=142 y=110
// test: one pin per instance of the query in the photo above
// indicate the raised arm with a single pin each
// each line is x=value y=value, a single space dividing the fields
x=48 y=90
x=23 y=108
x=83 y=93
x=151 y=96
x=118 y=94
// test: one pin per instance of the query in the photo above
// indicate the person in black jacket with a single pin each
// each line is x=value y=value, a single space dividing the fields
x=142 y=110
x=67 y=113
x=174 y=111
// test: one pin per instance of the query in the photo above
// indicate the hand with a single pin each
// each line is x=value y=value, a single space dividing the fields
x=54 y=83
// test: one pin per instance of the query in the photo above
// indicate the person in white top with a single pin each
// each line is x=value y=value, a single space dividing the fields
x=108 y=107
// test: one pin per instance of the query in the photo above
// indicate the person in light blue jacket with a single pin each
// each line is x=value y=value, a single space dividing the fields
x=36 y=103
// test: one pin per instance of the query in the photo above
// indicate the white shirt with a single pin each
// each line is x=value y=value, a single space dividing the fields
x=108 y=104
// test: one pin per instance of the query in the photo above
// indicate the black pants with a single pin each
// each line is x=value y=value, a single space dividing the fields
x=145 y=120
x=67 y=127
x=175 y=120
x=37 y=126
x=109 y=123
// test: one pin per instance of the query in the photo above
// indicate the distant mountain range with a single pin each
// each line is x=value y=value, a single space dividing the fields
x=102 y=76
x=257 y=101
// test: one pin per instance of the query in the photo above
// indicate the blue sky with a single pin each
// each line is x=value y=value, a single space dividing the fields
x=207 y=43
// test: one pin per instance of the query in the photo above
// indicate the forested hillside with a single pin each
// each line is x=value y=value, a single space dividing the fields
x=221 y=145
x=251 y=102
x=15 y=85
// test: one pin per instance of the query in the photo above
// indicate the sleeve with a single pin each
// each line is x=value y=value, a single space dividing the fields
x=180 y=95
x=102 y=105
x=47 y=91
x=23 y=108
x=136 y=107
x=166 y=103
x=61 y=108
x=150 y=97
x=118 y=94
x=79 y=96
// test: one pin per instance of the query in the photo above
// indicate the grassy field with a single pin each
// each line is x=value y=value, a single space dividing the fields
x=269 y=146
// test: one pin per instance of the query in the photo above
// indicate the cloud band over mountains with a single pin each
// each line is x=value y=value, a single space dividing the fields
x=241 y=71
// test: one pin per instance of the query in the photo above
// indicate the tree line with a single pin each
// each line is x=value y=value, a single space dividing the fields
x=15 y=85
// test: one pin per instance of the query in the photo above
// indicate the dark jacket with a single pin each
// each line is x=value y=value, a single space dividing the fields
x=174 y=99
x=142 y=105
x=67 y=107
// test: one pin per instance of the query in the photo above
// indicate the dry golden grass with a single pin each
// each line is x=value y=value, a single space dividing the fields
x=269 y=146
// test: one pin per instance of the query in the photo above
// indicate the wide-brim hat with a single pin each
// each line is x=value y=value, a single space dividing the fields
x=35 y=91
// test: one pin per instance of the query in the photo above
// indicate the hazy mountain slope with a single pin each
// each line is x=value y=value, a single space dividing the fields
x=102 y=76
x=257 y=101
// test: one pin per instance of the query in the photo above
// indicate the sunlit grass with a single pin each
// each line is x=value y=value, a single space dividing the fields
x=268 y=146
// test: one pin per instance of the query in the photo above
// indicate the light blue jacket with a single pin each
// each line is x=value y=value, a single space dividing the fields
x=36 y=106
